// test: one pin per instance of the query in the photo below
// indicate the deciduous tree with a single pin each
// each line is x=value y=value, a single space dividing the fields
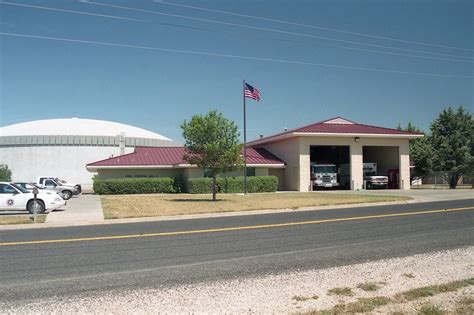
x=421 y=151
x=212 y=143
x=5 y=173
x=452 y=136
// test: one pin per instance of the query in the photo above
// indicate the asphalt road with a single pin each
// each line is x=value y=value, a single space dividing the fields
x=89 y=259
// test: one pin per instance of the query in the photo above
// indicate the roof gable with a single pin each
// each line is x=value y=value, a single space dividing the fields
x=338 y=121
x=338 y=126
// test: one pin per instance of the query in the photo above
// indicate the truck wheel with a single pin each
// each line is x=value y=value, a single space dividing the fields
x=37 y=206
x=78 y=188
x=369 y=186
x=67 y=194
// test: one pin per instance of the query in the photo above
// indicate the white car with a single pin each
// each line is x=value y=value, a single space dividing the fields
x=14 y=197
x=31 y=186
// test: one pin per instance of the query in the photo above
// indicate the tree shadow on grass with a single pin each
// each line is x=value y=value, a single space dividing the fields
x=194 y=200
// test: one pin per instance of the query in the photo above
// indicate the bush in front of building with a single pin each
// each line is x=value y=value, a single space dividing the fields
x=255 y=184
x=122 y=186
x=200 y=185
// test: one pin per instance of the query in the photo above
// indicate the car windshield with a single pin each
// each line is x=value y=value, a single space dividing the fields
x=324 y=169
x=23 y=190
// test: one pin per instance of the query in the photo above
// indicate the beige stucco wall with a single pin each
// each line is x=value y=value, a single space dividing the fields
x=296 y=153
x=193 y=172
x=121 y=173
x=404 y=152
x=261 y=171
x=278 y=172
x=289 y=152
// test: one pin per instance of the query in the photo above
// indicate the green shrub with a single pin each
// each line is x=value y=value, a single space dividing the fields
x=121 y=186
x=200 y=185
x=179 y=184
x=255 y=184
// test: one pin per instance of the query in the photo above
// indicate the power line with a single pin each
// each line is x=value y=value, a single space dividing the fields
x=279 y=31
x=211 y=54
x=69 y=11
x=400 y=54
x=311 y=26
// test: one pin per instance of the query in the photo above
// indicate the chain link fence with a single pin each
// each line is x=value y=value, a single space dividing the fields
x=440 y=180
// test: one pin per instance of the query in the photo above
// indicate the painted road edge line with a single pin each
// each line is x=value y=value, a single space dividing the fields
x=228 y=229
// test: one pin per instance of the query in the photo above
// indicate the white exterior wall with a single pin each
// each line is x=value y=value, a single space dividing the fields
x=65 y=162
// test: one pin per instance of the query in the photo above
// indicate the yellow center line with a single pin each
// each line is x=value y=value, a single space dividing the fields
x=227 y=229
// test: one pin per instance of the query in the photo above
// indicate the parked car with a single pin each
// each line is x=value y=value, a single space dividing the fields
x=61 y=182
x=14 y=197
x=31 y=186
x=416 y=181
x=49 y=183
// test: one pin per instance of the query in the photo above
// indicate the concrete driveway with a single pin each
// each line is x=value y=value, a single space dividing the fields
x=79 y=210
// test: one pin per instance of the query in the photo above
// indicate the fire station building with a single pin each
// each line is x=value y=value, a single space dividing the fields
x=289 y=156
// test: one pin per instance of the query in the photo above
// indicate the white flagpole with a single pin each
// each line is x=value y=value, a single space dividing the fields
x=245 y=141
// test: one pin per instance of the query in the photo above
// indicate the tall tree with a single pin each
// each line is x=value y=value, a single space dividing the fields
x=452 y=136
x=421 y=151
x=5 y=173
x=212 y=143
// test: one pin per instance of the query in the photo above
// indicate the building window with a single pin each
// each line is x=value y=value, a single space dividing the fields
x=250 y=171
x=207 y=172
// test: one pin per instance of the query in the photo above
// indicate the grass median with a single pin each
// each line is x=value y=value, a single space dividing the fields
x=21 y=219
x=153 y=205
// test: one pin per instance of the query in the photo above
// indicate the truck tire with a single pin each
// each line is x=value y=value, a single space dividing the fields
x=78 y=188
x=369 y=186
x=39 y=205
x=67 y=194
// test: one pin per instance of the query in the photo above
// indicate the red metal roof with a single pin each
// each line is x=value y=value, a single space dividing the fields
x=169 y=156
x=261 y=156
x=339 y=125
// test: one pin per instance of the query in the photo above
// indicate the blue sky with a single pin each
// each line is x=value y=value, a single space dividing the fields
x=157 y=90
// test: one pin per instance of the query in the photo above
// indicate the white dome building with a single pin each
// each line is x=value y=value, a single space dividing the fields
x=62 y=147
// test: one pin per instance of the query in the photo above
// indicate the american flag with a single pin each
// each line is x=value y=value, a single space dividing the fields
x=251 y=92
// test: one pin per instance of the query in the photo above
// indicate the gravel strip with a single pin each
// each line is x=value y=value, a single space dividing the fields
x=284 y=293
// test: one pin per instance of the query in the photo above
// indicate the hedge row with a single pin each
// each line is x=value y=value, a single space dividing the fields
x=121 y=186
x=233 y=184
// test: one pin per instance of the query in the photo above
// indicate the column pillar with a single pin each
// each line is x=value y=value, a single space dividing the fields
x=357 y=172
x=404 y=160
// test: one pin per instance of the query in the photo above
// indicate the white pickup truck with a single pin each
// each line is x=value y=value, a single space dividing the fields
x=371 y=178
x=52 y=184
